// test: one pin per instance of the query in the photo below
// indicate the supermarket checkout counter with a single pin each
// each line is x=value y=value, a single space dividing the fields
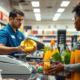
x=24 y=68
x=33 y=76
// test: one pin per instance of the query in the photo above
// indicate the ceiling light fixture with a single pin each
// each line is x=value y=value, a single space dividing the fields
x=37 y=14
x=38 y=18
x=57 y=14
x=65 y=3
x=60 y=10
x=20 y=6
x=36 y=10
x=56 y=17
x=35 y=3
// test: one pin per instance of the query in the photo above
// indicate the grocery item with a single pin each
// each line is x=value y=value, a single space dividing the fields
x=52 y=43
x=29 y=44
x=32 y=63
x=66 y=56
x=46 y=66
x=55 y=57
x=40 y=69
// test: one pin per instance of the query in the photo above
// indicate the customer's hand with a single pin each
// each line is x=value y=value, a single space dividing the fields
x=56 y=69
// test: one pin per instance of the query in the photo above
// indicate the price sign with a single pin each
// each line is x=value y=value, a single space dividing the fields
x=61 y=40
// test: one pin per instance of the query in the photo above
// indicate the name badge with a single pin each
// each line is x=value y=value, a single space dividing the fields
x=20 y=37
x=12 y=36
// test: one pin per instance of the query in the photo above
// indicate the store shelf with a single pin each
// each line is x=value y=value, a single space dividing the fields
x=49 y=39
x=68 y=39
x=72 y=34
x=54 y=39
x=34 y=58
x=2 y=22
x=51 y=34
x=43 y=35
x=68 y=43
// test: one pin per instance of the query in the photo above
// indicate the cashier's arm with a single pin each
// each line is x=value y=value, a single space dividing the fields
x=7 y=50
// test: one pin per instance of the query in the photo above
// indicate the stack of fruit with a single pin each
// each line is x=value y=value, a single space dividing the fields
x=30 y=45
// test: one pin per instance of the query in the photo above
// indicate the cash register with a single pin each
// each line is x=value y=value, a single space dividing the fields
x=11 y=65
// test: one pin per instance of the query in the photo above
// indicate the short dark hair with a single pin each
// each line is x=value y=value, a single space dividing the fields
x=14 y=13
x=76 y=9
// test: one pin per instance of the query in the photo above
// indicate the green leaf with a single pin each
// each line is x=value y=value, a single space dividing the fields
x=45 y=49
x=66 y=56
x=56 y=57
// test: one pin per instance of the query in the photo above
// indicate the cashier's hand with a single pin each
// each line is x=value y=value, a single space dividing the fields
x=34 y=49
x=56 y=69
x=20 y=49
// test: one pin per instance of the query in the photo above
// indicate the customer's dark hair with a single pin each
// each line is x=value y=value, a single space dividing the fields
x=77 y=10
x=14 y=13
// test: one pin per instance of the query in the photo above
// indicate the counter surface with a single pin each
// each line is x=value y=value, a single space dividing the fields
x=33 y=76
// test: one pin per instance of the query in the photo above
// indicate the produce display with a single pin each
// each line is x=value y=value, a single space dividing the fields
x=29 y=44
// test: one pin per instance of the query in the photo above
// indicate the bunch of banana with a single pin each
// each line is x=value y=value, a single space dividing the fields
x=30 y=44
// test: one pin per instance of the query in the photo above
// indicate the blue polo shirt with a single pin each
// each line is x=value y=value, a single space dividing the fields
x=10 y=38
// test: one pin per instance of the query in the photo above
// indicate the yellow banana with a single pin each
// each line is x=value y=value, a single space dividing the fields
x=22 y=43
x=30 y=44
x=33 y=42
x=28 y=48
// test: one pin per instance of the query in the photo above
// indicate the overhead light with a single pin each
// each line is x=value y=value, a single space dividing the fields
x=37 y=15
x=20 y=6
x=35 y=3
x=38 y=18
x=56 y=17
x=65 y=3
x=36 y=10
x=60 y=10
x=58 y=14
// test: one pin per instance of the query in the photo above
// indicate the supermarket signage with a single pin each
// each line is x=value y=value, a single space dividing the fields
x=61 y=36
x=74 y=40
x=61 y=40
